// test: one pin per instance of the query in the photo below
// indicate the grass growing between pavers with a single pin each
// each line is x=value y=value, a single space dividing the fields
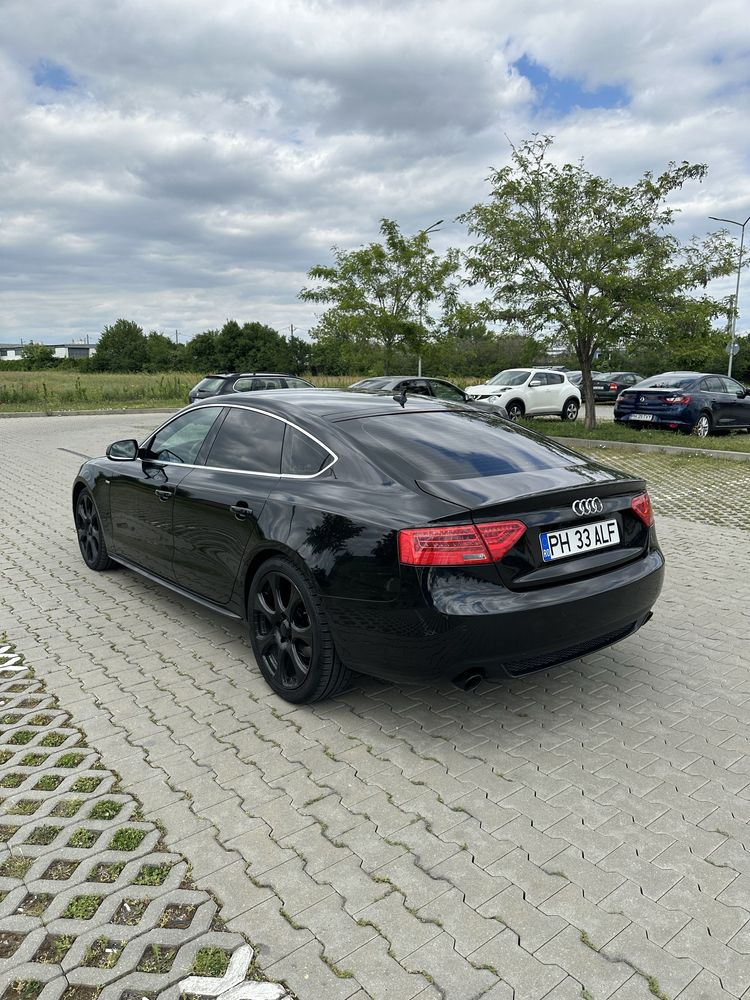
x=90 y=818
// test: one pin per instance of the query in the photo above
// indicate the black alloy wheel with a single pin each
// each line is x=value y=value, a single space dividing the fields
x=290 y=635
x=90 y=536
x=515 y=410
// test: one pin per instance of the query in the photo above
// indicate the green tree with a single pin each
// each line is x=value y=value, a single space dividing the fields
x=300 y=355
x=163 y=352
x=121 y=348
x=568 y=253
x=202 y=352
x=381 y=293
x=251 y=347
x=38 y=356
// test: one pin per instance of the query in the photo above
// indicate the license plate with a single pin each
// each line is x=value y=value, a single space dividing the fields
x=573 y=541
x=641 y=416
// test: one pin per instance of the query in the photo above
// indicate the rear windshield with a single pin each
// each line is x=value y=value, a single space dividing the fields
x=452 y=444
x=210 y=384
x=372 y=383
x=667 y=382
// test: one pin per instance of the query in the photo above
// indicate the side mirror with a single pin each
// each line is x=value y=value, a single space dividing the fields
x=534 y=382
x=123 y=451
x=741 y=393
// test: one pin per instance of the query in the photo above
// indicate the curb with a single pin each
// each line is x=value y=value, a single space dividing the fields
x=88 y=413
x=663 y=449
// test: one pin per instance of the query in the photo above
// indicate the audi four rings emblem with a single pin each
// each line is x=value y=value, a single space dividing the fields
x=591 y=505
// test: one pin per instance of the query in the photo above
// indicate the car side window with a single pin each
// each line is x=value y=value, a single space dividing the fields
x=303 y=456
x=243 y=385
x=554 y=379
x=732 y=386
x=443 y=391
x=417 y=388
x=712 y=384
x=248 y=441
x=181 y=440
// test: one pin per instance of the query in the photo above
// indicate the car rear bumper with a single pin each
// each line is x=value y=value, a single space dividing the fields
x=678 y=421
x=487 y=629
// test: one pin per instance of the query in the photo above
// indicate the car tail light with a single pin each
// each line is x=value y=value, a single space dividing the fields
x=678 y=400
x=458 y=545
x=613 y=386
x=641 y=507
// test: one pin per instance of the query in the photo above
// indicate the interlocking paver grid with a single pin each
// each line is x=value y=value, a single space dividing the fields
x=581 y=832
x=91 y=901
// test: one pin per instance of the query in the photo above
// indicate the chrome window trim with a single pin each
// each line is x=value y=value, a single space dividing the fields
x=247 y=472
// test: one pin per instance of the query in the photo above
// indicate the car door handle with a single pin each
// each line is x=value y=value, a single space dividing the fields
x=164 y=495
x=240 y=510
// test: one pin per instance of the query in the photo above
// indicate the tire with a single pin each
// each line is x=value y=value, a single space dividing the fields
x=90 y=535
x=290 y=635
x=515 y=410
x=570 y=410
x=703 y=426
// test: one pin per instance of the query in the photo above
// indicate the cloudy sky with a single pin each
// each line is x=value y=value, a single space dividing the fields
x=181 y=162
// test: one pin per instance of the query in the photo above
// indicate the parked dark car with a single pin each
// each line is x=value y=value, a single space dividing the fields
x=576 y=377
x=219 y=385
x=415 y=542
x=416 y=385
x=608 y=386
x=686 y=401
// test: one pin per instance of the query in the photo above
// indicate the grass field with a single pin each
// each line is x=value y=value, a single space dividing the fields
x=52 y=391
x=56 y=391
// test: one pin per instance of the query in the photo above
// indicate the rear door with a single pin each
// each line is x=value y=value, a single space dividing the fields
x=217 y=506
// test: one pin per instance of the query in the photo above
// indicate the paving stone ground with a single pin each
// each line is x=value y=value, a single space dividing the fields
x=581 y=833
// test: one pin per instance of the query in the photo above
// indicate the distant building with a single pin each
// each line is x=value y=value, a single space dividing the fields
x=14 y=352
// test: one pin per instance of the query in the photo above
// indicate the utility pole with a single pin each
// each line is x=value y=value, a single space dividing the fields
x=423 y=232
x=176 y=336
x=736 y=302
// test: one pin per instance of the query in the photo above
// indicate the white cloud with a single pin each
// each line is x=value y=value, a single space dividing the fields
x=205 y=156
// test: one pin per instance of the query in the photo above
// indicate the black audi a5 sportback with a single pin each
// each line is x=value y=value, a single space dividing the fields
x=410 y=539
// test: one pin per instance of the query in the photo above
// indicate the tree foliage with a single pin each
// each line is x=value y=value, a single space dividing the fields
x=38 y=356
x=122 y=347
x=565 y=252
x=250 y=347
x=381 y=293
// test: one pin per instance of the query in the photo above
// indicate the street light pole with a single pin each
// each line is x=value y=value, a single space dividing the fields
x=423 y=232
x=736 y=307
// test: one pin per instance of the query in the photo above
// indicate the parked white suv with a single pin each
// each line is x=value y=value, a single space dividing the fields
x=532 y=392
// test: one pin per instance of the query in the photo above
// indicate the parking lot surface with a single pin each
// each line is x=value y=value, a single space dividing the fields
x=580 y=833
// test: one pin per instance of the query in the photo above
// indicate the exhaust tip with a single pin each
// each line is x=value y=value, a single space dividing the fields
x=469 y=680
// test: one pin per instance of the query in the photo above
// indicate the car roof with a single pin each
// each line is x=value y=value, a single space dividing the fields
x=326 y=404
x=252 y=374
x=402 y=378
